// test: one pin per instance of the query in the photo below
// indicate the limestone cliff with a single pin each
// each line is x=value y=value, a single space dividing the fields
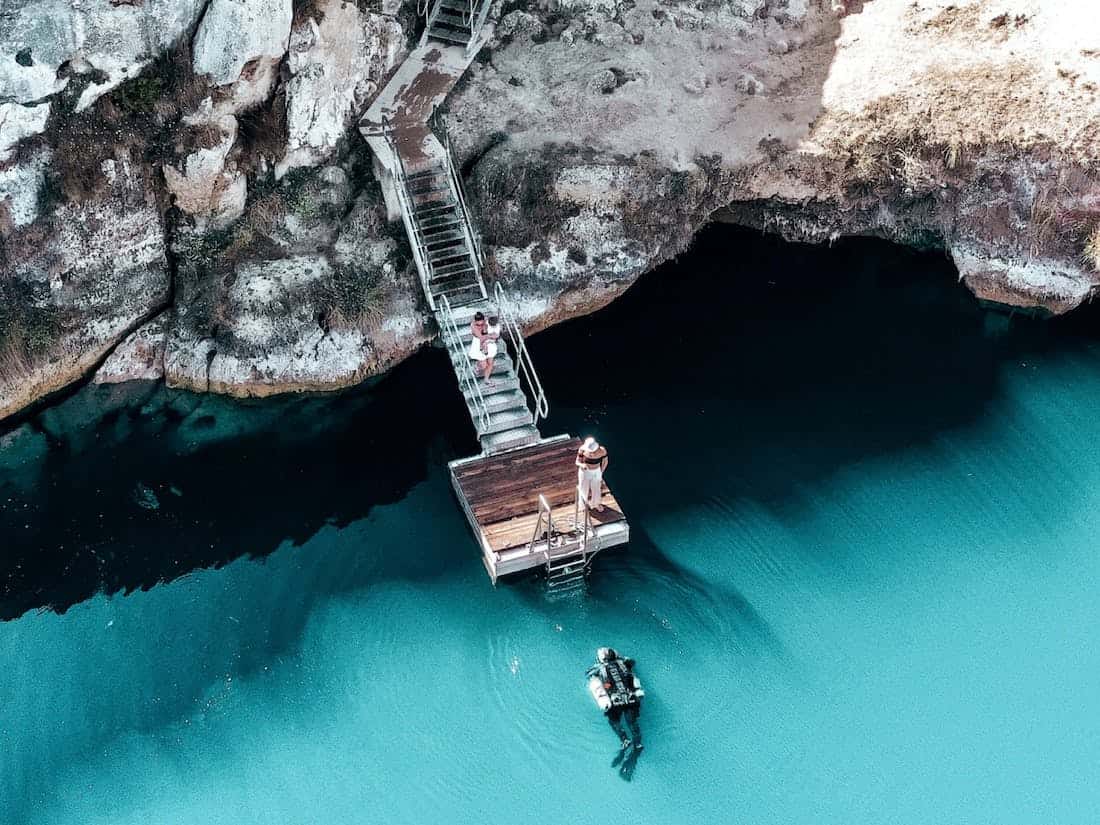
x=183 y=193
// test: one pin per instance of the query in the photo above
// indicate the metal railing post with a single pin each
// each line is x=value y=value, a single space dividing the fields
x=525 y=365
x=465 y=372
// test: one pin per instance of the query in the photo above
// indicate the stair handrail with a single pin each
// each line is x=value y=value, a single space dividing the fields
x=542 y=527
x=589 y=531
x=477 y=21
x=404 y=200
x=467 y=379
x=525 y=365
x=439 y=126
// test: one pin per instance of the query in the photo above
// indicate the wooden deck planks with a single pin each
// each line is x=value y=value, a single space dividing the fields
x=502 y=492
x=517 y=532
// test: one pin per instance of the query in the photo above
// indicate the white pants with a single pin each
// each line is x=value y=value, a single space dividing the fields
x=591 y=483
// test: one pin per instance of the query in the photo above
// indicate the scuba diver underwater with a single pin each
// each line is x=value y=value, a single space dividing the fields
x=618 y=692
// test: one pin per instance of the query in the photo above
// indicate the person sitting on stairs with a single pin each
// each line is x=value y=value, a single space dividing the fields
x=483 y=346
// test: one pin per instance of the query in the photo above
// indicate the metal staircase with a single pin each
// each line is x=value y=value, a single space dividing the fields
x=445 y=243
x=501 y=413
x=455 y=22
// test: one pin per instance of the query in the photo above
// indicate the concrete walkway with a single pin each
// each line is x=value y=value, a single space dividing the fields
x=406 y=104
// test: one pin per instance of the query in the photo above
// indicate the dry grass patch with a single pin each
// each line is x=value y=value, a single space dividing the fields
x=350 y=300
x=1091 y=254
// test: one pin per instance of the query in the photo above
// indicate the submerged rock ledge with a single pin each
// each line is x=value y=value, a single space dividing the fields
x=208 y=215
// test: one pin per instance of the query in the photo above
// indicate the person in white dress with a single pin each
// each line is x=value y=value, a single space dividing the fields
x=483 y=345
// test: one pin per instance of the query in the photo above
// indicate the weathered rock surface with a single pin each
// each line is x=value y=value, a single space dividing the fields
x=239 y=44
x=140 y=356
x=68 y=300
x=18 y=122
x=974 y=127
x=282 y=330
x=337 y=58
x=108 y=41
x=208 y=185
x=20 y=184
x=597 y=137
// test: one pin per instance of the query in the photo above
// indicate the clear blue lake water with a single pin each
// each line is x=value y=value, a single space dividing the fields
x=863 y=585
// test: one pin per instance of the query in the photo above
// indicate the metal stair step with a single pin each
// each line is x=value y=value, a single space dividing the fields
x=505 y=386
x=448 y=253
x=433 y=170
x=455 y=279
x=499 y=401
x=501 y=364
x=506 y=420
x=452 y=19
x=452 y=269
x=433 y=200
x=472 y=296
x=461 y=296
x=510 y=439
x=441 y=235
x=466 y=315
x=430 y=210
x=449 y=36
x=442 y=220
x=457 y=5
x=429 y=186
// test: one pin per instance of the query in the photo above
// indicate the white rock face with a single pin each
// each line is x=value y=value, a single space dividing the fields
x=19 y=186
x=206 y=186
x=116 y=38
x=140 y=357
x=18 y=122
x=102 y=272
x=240 y=43
x=1054 y=285
x=273 y=341
x=335 y=65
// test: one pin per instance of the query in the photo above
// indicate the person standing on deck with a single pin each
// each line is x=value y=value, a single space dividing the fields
x=591 y=463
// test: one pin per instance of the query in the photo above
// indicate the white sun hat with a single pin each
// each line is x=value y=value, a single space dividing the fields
x=590 y=445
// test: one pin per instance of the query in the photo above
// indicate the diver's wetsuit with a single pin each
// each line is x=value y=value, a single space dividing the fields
x=629 y=731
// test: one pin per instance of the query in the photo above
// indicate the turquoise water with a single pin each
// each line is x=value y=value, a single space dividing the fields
x=863 y=585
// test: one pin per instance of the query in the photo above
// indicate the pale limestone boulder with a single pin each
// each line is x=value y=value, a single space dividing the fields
x=18 y=122
x=336 y=64
x=1051 y=284
x=239 y=43
x=19 y=187
x=99 y=274
x=140 y=357
x=117 y=39
x=206 y=186
x=270 y=340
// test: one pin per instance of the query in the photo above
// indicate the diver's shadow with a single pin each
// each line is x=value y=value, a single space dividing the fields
x=626 y=760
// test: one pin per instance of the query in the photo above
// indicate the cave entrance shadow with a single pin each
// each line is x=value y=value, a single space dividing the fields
x=772 y=365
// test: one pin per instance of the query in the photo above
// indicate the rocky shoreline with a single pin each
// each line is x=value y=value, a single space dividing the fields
x=183 y=205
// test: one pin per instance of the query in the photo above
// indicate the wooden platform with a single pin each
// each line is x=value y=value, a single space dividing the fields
x=500 y=497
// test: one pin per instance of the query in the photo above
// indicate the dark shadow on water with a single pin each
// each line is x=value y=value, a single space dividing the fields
x=745 y=370
x=126 y=488
x=765 y=366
